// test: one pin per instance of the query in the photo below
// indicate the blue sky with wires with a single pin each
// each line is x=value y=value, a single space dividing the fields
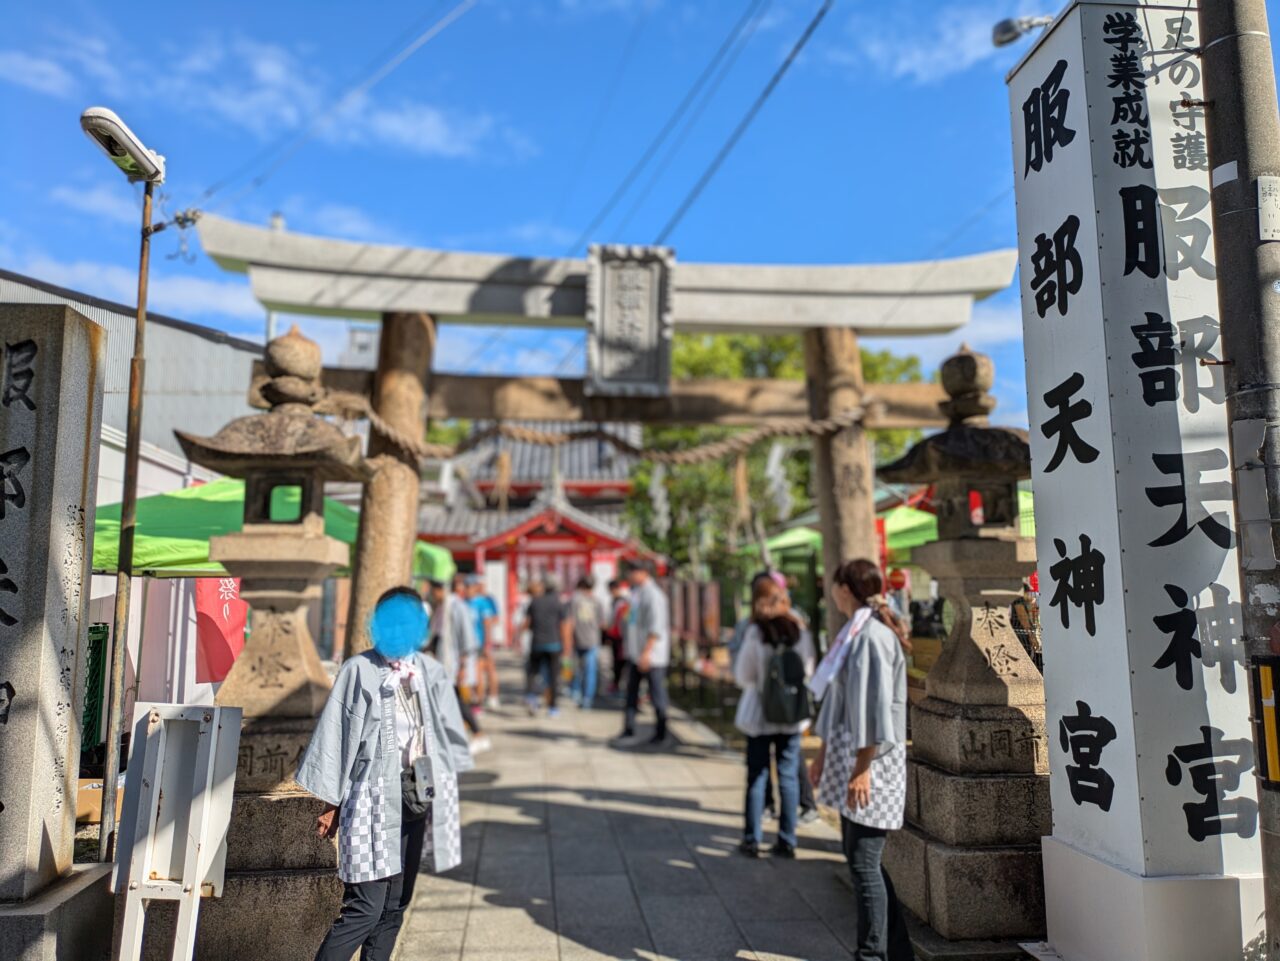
x=509 y=132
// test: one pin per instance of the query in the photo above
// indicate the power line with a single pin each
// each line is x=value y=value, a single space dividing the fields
x=500 y=334
x=743 y=124
x=692 y=123
x=666 y=130
x=288 y=147
x=264 y=153
x=602 y=111
x=941 y=248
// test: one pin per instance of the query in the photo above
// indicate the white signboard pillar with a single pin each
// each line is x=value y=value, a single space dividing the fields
x=1155 y=851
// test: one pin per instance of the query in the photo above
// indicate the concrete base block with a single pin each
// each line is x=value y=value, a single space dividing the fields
x=270 y=749
x=931 y=946
x=277 y=832
x=905 y=859
x=965 y=894
x=980 y=739
x=68 y=921
x=982 y=811
x=985 y=893
x=262 y=916
x=1099 y=912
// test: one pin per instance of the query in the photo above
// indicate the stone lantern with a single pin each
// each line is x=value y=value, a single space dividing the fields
x=282 y=562
x=968 y=859
x=280 y=876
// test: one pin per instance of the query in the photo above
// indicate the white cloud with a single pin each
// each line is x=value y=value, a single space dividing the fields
x=926 y=43
x=36 y=73
x=182 y=296
x=110 y=203
x=96 y=59
x=419 y=128
x=993 y=325
x=269 y=91
x=339 y=220
x=259 y=87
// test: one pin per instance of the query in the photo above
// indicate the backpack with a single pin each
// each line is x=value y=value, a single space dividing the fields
x=785 y=697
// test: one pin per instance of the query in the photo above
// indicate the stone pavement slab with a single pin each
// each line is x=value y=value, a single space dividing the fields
x=578 y=848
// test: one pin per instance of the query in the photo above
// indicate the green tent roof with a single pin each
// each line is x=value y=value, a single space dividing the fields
x=904 y=528
x=172 y=538
x=798 y=537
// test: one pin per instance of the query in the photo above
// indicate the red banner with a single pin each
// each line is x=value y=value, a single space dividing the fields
x=220 y=620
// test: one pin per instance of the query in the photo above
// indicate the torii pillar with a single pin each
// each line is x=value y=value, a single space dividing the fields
x=389 y=504
x=844 y=474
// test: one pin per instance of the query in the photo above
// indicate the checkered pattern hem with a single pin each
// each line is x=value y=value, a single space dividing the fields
x=363 y=848
x=888 y=783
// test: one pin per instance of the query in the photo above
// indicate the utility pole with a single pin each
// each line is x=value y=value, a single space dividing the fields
x=1244 y=156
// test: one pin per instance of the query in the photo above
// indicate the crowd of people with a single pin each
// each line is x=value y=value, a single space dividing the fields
x=402 y=723
x=563 y=637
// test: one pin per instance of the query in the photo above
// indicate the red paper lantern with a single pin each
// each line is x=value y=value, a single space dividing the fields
x=897 y=578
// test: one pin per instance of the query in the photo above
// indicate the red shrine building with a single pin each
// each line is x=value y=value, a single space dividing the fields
x=515 y=511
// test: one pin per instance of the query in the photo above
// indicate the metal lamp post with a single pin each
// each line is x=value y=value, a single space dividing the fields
x=138 y=163
x=1013 y=29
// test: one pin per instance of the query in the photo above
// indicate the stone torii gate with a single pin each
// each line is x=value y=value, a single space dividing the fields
x=411 y=290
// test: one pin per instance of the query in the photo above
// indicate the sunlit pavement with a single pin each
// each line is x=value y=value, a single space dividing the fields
x=576 y=848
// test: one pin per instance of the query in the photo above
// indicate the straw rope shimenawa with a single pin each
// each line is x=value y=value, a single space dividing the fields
x=346 y=404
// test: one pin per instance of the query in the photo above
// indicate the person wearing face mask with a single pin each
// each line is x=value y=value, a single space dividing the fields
x=385 y=758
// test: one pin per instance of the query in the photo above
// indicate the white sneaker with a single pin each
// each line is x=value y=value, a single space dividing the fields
x=480 y=744
x=493 y=703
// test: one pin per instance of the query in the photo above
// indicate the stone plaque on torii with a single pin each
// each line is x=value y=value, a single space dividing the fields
x=410 y=290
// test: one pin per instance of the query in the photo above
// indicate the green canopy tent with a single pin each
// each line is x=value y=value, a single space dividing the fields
x=172 y=538
x=904 y=528
x=907 y=527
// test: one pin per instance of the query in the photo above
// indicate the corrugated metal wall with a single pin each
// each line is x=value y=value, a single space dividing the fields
x=196 y=378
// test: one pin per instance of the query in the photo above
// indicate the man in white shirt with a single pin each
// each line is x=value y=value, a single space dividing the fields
x=648 y=649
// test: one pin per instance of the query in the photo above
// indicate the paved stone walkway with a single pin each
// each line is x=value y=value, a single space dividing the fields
x=577 y=850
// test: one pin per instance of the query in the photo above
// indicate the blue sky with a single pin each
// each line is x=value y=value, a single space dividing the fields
x=888 y=141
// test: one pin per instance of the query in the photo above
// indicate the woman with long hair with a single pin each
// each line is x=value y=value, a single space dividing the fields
x=861 y=770
x=773 y=664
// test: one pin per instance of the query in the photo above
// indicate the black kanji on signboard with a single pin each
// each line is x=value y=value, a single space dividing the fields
x=1062 y=424
x=1078 y=582
x=1044 y=118
x=7 y=586
x=1057 y=270
x=1216 y=766
x=1190 y=493
x=18 y=374
x=1141 y=206
x=1184 y=648
x=1156 y=359
x=1084 y=735
x=11 y=489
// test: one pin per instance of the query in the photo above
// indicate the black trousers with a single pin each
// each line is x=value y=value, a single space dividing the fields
x=657 y=681
x=544 y=664
x=373 y=910
x=882 y=928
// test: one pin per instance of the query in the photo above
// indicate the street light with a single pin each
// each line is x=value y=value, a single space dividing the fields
x=138 y=163
x=1010 y=31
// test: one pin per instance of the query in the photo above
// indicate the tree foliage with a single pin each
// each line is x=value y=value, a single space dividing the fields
x=703 y=505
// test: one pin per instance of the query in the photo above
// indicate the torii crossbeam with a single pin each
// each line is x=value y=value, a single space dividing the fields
x=411 y=289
